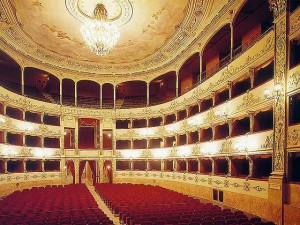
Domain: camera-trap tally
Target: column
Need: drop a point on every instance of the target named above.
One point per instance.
(115, 90)
(148, 94)
(22, 81)
(230, 88)
(177, 83)
(5, 166)
(4, 109)
(24, 166)
(75, 86)
(277, 186)
(212, 166)
(229, 166)
(251, 117)
(231, 40)
(76, 166)
(100, 97)
(199, 165)
(147, 165)
(251, 75)
(5, 137)
(131, 165)
(162, 165)
(100, 168)
(43, 165)
(60, 92)
(63, 170)
(42, 117)
(76, 136)
(250, 166)
(213, 131)
(174, 165)
(200, 70)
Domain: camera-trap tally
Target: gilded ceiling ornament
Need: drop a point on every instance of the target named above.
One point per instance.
(61, 35)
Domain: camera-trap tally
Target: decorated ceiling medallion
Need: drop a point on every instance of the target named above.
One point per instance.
(119, 11)
(100, 30)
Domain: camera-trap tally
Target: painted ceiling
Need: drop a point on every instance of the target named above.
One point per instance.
(45, 31)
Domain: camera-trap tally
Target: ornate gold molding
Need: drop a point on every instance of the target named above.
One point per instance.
(280, 77)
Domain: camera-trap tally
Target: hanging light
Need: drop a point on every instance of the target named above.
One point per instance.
(100, 35)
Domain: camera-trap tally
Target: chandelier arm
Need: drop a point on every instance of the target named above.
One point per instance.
(108, 20)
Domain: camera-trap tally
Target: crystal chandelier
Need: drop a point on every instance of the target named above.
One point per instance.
(99, 34)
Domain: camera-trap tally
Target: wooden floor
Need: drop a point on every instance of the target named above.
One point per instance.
(102, 205)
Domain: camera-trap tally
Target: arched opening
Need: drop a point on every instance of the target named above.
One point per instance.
(88, 94)
(239, 166)
(41, 85)
(131, 94)
(107, 96)
(240, 86)
(193, 166)
(88, 133)
(123, 165)
(163, 88)
(154, 165)
(205, 166)
(240, 126)
(221, 166)
(68, 92)
(253, 20)
(10, 73)
(216, 53)
(189, 74)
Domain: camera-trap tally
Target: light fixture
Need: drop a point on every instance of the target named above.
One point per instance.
(99, 33)
(273, 94)
(221, 114)
(184, 151)
(161, 153)
(2, 120)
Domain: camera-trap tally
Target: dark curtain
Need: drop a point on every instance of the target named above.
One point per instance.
(86, 137)
(81, 169)
(70, 165)
(93, 169)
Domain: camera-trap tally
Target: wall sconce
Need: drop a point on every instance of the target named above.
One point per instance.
(184, 151)
(2, 120)
(273, 94)
(146, 132)
(161, 153)
(130, 154)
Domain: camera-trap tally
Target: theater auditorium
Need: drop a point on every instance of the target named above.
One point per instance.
(150, 112)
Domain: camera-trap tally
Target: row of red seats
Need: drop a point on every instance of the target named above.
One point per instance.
(145, 205)
(69, 204)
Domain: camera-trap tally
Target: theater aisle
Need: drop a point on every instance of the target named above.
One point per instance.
(102, 205)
